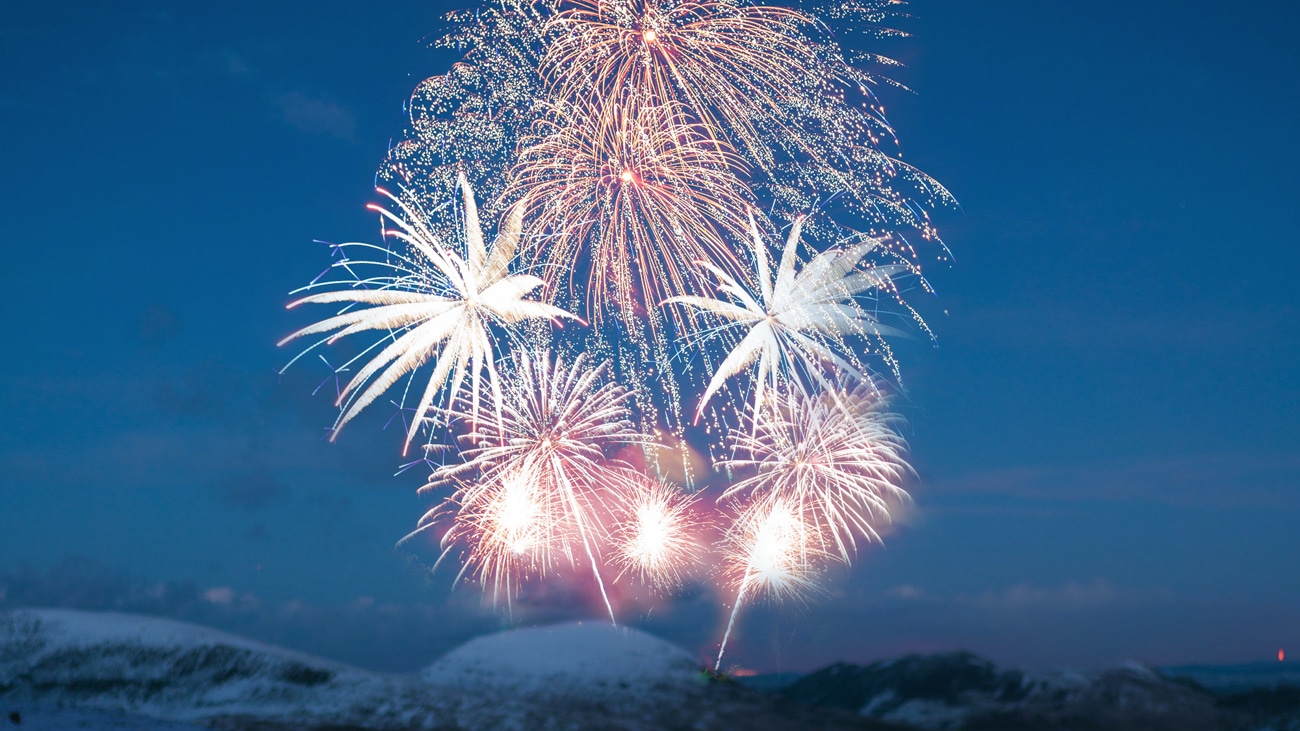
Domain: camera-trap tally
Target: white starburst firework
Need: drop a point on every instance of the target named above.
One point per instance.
(797, 326)
(437, 305)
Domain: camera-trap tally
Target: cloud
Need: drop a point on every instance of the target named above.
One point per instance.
(1216, 480)
(1072, 595)
(906, 592)
(219, 595)
(315, 115)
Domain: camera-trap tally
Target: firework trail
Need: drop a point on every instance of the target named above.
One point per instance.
(823, 471)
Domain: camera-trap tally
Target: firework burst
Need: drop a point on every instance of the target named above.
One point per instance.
(442, 302)
(823, 470)
(725, 62)
(638, 155)
(654, 533)
(559, 427)
(630, 196)
(835, 457)
(773, 549)
(770, 81)
(798, 324)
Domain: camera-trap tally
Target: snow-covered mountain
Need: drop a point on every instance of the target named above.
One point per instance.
(963, 691)
(67, 669)
(159, 672)
(171, 670)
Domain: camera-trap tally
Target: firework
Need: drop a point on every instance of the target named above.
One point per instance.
(638, 155)
(504, 524)
(769, 81)
(630, 196)
(470, 119)
(727, 63)
(835, 456)
(442, 302)
(559, 425)
(797, 325)
(653, 533)
(772, 548)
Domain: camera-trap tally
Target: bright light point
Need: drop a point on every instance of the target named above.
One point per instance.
(516, 514)
(1280, 655)
(625, 176)
(653, 536)
(650, 36)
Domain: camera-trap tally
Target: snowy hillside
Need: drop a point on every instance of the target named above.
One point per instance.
(138, 673)
(70, 670)
(171, 670)
(569, 656)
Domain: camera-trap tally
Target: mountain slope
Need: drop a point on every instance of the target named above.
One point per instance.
(177, 671)
(588, 676)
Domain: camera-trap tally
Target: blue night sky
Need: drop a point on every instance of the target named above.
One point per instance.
(1107, 432)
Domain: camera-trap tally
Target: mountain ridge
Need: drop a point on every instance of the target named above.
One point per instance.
(62, 667)
(576, 676)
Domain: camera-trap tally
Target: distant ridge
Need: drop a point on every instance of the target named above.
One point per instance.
(963, 691)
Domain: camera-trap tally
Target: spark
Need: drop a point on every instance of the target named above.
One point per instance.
(653, 532)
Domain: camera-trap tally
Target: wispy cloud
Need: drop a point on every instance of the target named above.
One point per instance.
(1194, 479)
(315, 115)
